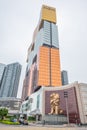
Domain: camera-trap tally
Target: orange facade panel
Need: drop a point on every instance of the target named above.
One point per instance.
(43, 73)
(49, 73)
(55, 68)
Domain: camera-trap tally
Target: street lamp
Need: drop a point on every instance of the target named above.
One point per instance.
(66, 97)
(76, 119)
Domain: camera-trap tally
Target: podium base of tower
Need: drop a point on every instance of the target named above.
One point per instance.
(54, 119)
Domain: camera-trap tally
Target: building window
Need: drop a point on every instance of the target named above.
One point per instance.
(38, 101)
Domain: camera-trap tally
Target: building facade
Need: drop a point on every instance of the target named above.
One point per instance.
(12, 104)
(2, 69)
(39, 102)
(64, 75)
(10, 81)
(44, 78)
(43, 60)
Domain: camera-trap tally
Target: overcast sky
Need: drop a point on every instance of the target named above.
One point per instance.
(18, 19)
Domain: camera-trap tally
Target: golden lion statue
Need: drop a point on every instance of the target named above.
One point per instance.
(55, 104)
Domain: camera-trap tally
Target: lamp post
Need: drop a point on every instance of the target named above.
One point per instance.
(76, 119)
(37, 114)
(66, 97)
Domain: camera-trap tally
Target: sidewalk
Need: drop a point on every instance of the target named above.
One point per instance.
(40, 127)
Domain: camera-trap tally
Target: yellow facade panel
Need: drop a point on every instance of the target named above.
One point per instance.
(48, 13)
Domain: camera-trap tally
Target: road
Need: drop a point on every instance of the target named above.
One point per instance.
(39, 127)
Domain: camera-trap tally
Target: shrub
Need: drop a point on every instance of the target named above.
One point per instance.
(3, 112)
(31, 118)
(9, 122)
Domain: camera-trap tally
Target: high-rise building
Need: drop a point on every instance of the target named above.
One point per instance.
(10, 81)
(43, 60)
(64, 75)
(2, 68)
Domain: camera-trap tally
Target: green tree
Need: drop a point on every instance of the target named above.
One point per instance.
(3, 112)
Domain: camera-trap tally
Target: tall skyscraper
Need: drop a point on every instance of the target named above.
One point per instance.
(64, 75)
(10, 81)
(2, 68)
(43, 60)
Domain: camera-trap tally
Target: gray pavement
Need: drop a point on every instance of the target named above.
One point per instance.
(40, 127)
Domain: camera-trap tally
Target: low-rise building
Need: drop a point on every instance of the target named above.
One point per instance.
(39, 102)
(12, 104)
